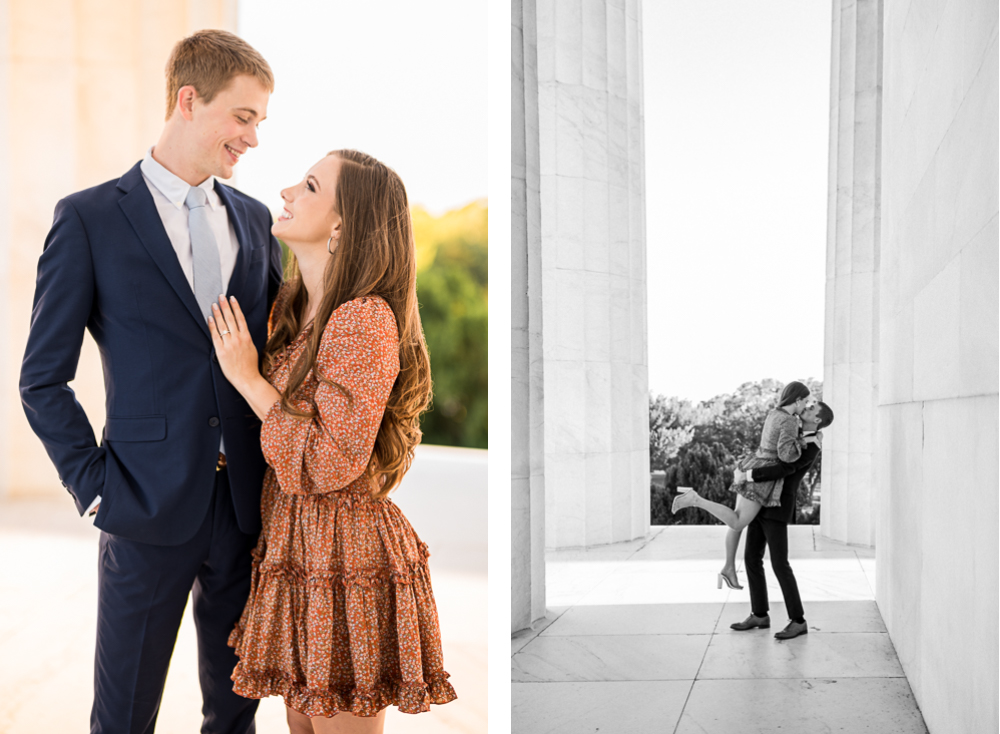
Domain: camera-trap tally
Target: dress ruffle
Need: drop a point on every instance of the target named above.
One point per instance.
(410, 699)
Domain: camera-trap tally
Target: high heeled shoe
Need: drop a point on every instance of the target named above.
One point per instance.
(729, 582)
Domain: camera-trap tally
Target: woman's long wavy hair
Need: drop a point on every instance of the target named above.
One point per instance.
(376, 256)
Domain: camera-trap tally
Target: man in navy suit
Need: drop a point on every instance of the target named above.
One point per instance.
(175, 481)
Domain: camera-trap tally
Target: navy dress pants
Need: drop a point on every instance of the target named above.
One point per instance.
(142, 592)
(772, 534)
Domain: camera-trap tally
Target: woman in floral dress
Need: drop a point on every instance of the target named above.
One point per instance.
(341, 620)
(780, 440)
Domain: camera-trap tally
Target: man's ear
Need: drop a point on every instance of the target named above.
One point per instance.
(186, 96)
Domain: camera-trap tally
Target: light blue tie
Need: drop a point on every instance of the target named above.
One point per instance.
(204, 248)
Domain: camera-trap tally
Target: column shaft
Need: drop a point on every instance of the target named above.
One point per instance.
(593, 266)
(852, 293)
(527, 406)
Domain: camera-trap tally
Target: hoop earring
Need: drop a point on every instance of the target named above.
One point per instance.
(328, 245)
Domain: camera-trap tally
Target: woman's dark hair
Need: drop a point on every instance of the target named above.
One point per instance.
(793, 391)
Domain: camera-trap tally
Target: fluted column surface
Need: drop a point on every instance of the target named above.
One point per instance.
(593, 264)
(850, 384)
(527, 397)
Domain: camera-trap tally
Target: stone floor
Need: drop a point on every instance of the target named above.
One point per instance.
(48, 605)
(637, 639)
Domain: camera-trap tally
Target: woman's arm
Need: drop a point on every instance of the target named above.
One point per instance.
(237, 356)
(789, 443)
(359, 357)
(783, 469)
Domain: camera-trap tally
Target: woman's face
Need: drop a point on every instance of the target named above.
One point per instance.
(309, 216)
(799, 405)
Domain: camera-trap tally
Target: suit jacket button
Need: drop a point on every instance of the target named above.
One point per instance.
(213, 421)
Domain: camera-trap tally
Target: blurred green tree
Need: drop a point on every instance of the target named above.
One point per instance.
(698, 444)
(452, 286)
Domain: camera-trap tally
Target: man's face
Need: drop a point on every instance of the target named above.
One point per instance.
(811, 414)
(223, 129)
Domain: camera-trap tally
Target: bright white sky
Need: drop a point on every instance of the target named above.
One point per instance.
(737, 120)
(403, 81)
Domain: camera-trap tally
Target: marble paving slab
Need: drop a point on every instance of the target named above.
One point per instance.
(618, 706)
(826, 579)
(519, 639)
(821, 616)
(566, 582)
(658, 582)
(609, 658)
(684, 542)
(801, 706)
(756, 654)
(636, 619)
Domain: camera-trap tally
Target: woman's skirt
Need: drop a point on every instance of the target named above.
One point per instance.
(766, 494)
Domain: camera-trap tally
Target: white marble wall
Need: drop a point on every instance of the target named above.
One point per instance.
(936, 448)
(851, 351)
(593, 265)
(527, 398)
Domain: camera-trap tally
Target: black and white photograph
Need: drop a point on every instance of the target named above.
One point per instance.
(754, 369)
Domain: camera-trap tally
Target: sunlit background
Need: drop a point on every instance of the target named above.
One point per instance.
(737, 122)
(404, 82)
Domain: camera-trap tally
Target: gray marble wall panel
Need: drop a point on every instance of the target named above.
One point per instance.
(936, 440)
(593, 271)
(852, 292)
(527, 367)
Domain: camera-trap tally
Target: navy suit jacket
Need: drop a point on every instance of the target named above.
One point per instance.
(792, 473)
(109, 267)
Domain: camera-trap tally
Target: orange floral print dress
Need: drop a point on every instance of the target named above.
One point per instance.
(341, 616)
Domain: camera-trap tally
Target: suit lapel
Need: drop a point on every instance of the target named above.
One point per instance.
(237, 215)
(137, 205)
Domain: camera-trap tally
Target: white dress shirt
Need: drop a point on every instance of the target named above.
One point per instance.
(169, 193)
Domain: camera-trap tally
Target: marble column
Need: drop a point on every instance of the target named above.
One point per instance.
(590, 100)
(527, 385)
(84, 95)
(937, 457)
(851, 355)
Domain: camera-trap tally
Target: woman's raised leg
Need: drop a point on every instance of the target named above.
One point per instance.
(746, 510)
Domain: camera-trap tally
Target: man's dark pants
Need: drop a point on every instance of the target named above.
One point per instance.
(143, 590)
(761, 533)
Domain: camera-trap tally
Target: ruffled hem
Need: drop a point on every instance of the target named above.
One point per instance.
(295, 573)
(408, 698)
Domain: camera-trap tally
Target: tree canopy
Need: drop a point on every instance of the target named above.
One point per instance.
(698, 444)
(452, 287)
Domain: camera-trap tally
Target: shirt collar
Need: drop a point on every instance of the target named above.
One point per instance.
(172, 186)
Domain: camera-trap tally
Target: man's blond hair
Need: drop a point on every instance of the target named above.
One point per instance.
(208, 60)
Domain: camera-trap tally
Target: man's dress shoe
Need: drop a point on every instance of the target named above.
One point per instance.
(751, 622)
(794, 629)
